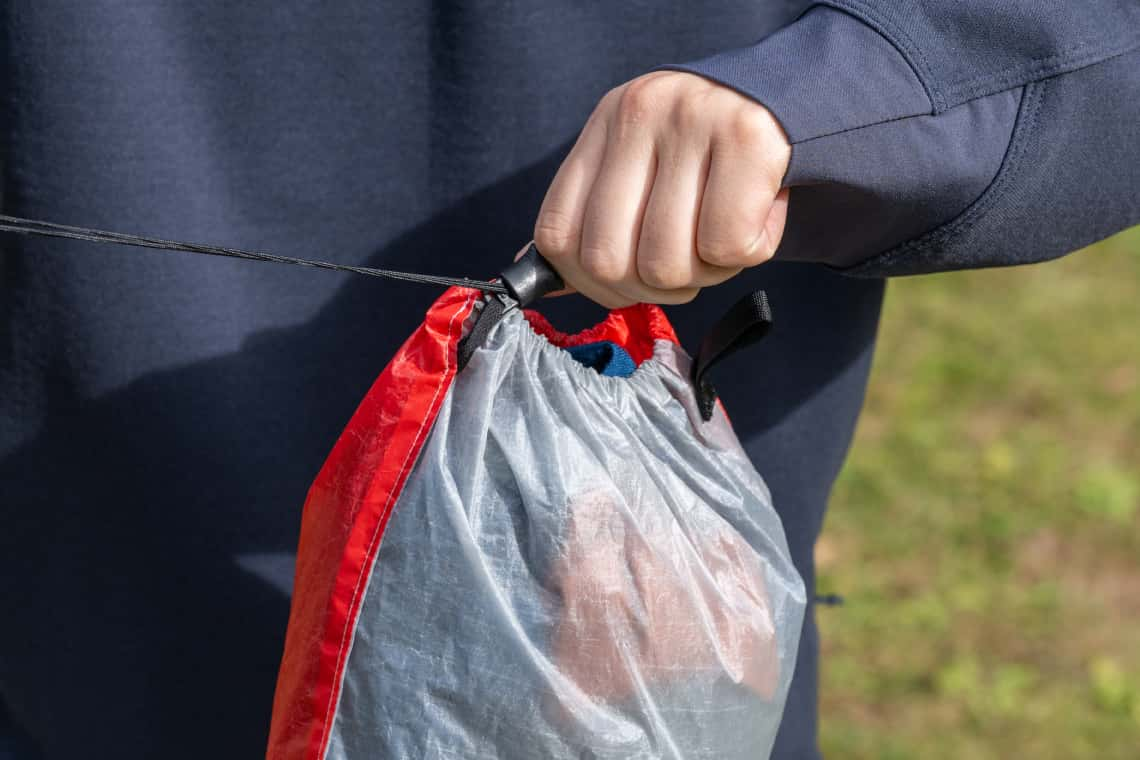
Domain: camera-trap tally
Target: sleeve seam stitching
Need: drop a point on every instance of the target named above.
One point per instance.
(1041, 67)
(942, 97)
(897, 37)
(1011, 168)
(894, 119)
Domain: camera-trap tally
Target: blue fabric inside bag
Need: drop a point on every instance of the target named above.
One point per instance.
(605, 357)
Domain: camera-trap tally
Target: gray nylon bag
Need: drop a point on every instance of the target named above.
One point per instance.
(574, 566)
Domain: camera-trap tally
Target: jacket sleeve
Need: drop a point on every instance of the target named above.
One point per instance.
(930, 135)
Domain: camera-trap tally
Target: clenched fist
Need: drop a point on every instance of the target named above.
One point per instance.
(672, 186)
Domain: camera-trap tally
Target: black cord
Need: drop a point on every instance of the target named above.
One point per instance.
(51, 229)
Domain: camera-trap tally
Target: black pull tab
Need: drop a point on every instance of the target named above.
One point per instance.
(744, 324)
(530, 278)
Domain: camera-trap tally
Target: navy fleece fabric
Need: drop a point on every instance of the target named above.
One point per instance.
(161, 415)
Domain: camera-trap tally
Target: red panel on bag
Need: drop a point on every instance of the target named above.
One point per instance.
(345, 513)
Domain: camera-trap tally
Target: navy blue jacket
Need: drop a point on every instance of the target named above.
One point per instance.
(161, 415)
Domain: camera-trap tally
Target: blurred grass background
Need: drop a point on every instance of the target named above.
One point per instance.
(986, 529)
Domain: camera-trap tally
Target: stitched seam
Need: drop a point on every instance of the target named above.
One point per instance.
(905, 118)
(848, 130)
(1036, 64)
(901, 39)
(350, 624)
(1011, 168)
(1042, 68)
(941, 96)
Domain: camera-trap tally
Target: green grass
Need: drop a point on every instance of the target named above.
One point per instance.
(986, 529)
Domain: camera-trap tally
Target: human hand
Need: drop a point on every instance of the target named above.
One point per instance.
(634, 618)
(672, 186)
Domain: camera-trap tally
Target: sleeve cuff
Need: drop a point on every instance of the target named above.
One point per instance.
(826, 73)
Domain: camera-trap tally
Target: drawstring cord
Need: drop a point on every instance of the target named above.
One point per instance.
(34, 227)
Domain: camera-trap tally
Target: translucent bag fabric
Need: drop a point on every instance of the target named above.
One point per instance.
(531, 558)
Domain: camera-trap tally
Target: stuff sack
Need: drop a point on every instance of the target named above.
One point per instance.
(547, 554)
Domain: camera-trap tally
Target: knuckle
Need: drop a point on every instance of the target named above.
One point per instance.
(690, 111)
(721, 251)
(608, 106)
(638, 101)
(609, 101)
(763, 250)
(661, 274)
(748, 125)
(554, 233)
(600, 262)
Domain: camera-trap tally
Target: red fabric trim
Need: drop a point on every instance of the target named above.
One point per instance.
(634, 328)
(345, 514)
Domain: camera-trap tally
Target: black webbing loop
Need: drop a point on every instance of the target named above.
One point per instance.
(744, 324)
(526, 280)
(50, 229)
(494, 309)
